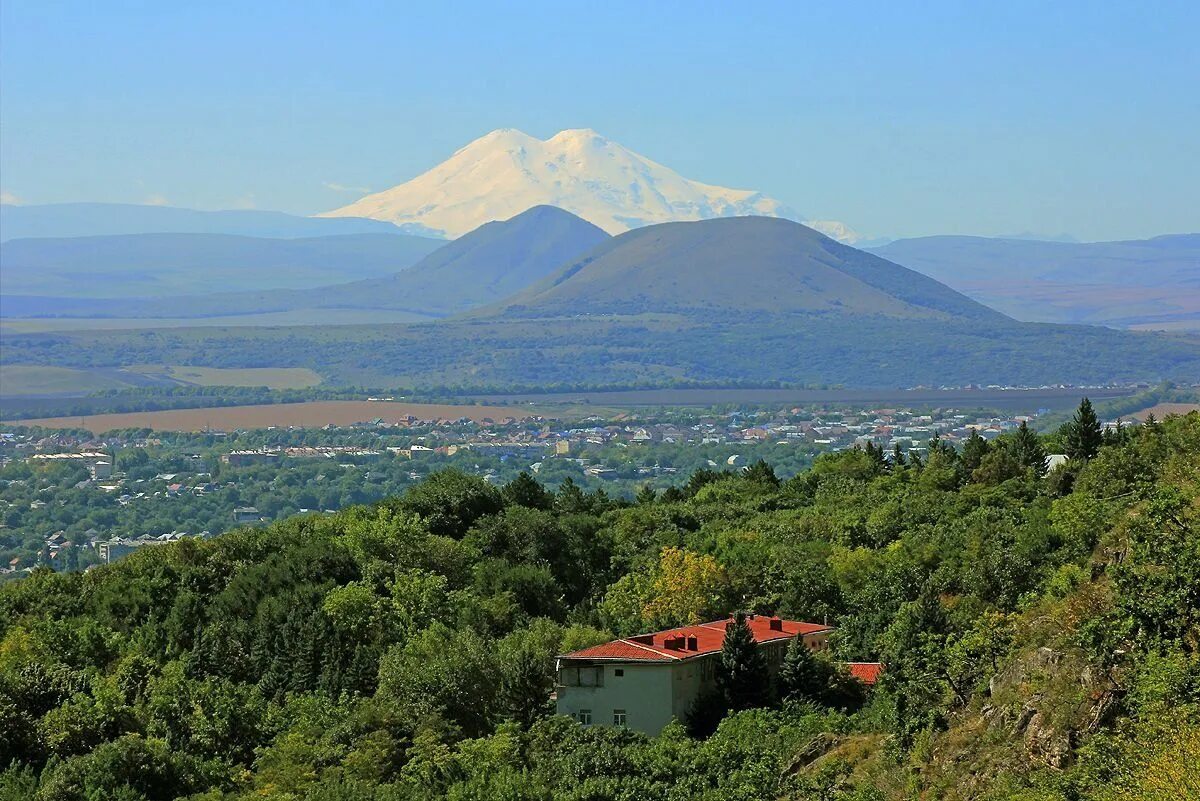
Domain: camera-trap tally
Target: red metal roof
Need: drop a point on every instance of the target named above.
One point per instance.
(687, 642)
(866, 672)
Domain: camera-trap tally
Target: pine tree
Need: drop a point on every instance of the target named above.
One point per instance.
(762, 473)
(1027, 448)
(898, 459)
(975, 448)
(524, 490)
(1083, 436)
(801, 676)
(570, 499)
(645, 495)
(742, 672)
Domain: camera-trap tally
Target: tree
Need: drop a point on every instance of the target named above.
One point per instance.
(1028, 450)
(762, 473)
(645, 495)
(686, 588)
(801, 677)
(1082, 437)
(449, 501)
(524, 490)
(742, 672)
(570, 498)
(974, 449)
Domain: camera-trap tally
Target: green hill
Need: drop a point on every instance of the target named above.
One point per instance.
(734, 266)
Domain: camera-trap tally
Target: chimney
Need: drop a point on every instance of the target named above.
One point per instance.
(776, 624)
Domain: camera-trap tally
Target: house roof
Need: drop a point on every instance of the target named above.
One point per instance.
(688, 642)
(866, 672)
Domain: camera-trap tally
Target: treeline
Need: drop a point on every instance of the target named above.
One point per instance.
(1040, 636)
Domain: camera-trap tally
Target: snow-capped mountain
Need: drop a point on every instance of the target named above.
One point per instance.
(506, 172)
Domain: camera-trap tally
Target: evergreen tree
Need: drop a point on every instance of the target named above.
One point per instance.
(645, 495)
(1027, 448)
(898, 459)
(742, 672)
(975, 448)
(801, 677)
(570, 498)
(1083, 437)
(524, 490)
(762, 473)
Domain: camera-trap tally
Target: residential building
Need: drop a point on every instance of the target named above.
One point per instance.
(645, 682)
(246, 514)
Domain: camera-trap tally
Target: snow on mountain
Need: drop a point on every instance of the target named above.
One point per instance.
(506, 172)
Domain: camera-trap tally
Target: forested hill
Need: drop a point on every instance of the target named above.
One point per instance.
(1040, 636)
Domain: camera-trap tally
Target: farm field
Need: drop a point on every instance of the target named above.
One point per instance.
(312, 414)
(1161, 410)
(272, 377)
(24, 379)
(40, 325)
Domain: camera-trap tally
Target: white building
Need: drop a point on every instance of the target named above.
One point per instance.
(646, 681)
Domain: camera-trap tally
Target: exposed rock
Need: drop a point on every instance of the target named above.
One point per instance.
(1046, 744)
(815, 748)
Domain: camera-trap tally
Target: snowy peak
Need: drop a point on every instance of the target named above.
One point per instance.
(507, 171)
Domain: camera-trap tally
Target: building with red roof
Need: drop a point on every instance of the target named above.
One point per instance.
(866, 672)
(646, 681)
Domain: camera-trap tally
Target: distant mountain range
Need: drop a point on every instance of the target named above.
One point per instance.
(548, 262)
(156, 265)
(487, 264)
(58, 220)
(1114, 283)
(506, 172)
(548, 299)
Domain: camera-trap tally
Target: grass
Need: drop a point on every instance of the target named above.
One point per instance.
(21, 379)
(271, 377)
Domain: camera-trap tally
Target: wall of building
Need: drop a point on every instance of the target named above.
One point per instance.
(652, 694)
(643, 691)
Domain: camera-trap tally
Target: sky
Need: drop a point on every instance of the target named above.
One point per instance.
(899, 119)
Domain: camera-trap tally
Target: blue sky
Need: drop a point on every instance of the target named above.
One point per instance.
(898, 119)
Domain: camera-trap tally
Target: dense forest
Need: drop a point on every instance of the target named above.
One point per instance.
(648, 349)
(1040, 635)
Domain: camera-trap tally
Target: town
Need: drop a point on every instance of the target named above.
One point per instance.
(70, 499)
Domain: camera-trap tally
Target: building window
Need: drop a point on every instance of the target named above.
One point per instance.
(619, 672)
(587, 676)
(619, 718)
(585, 717)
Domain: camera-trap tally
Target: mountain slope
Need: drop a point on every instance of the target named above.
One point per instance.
(507, 171)
(149, 265)
(1097, 282)
(742, 265)
(489, 263)
(493, 261)
(104, 219)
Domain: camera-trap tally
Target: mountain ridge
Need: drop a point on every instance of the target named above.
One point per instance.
(144, 265)
(1113, 283)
